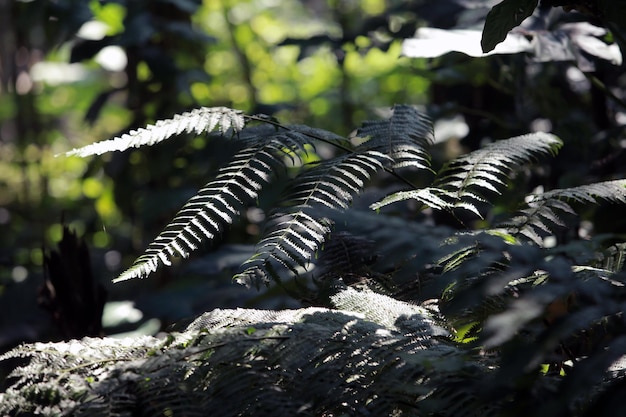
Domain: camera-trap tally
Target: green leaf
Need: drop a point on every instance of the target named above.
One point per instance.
(502, 18)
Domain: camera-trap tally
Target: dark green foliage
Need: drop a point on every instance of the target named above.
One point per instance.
(70, 293)
(461, 183)
(308, 362)
(509, 14)
(508, 310)
(536, 320)
(502, 18)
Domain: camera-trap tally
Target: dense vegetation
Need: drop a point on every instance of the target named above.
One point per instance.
(493, 201)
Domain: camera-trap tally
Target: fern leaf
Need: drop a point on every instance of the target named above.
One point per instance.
(485, 168)
(313, 362)
(609, 190)
(460, 183)
(403, 137)
(541, 218)
(294, 233)
(291, 241)
(204, 119)
(206, 214)
(431, 197)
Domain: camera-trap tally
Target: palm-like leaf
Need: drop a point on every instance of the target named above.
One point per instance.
(403, 137)
(206, 214)
(461, 183)
(204, 119)
(295, 232)
(544, 211)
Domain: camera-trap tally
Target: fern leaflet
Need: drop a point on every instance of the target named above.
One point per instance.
(543, 213)
(460, 183)
(295, 232)
(204, 119)
(205, 215)
(403, 137)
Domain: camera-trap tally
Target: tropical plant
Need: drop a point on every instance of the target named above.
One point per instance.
(295, 231)
(506, 318)
(454, 296)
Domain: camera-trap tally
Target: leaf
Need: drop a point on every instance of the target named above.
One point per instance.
(433, 42)
(540, 216)
(460, 182)
(499, 328)
(502, 18)
(431, 197)
(403, 137)
(295, 232)
(207, 213)
(204, 119)
(310, 361)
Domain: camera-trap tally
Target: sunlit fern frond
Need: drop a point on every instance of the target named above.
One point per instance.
(289, 243)
(207, 213)
(486, 169)
(461, 183)
(204, 119)
(219, 203)
(608, 190)
(295, 232)
(433, 197)
(403, 137)
(384, 358)
(543, 213)
(333, 183)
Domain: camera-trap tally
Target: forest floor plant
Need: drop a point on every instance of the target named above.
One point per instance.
(405, 316)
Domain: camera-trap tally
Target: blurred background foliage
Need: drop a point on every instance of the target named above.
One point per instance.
(74, 72)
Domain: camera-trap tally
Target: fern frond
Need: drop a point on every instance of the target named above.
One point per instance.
(487, 168)
(206, 214)
(460, 183)
(436, 198)
(311, 362)
(218, 203)
(542, 216)
(403, 137)
(608, 190)
(204, 119)
(290, 241)
(295, 232)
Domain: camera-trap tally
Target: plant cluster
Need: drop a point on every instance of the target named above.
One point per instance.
(456, 275)
(542, 317)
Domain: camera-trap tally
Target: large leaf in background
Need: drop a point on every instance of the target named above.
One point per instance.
(433, 42)
(585, 40)
(504, 17)
(568, 42)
